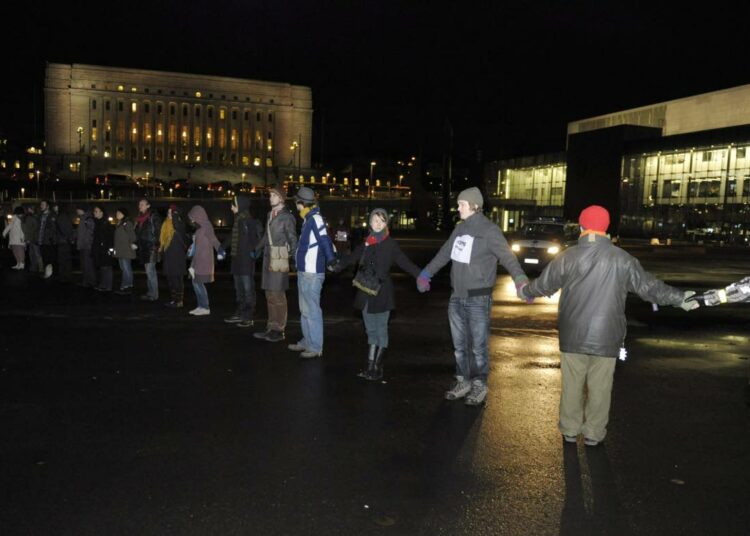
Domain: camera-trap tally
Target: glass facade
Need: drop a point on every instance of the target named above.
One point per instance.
(543, 185)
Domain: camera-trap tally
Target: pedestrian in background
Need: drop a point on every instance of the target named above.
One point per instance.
(173, 244)
(314, 255)
(595, 277)
(278, 243)
(65, 238)
(125, 248)
(246, 232)
(16, 242)
(375, 294)
(102, 249)
(47, 238)
(202, 264)
(84, 241)
(148, 229)
(31, 236)
(474, 248)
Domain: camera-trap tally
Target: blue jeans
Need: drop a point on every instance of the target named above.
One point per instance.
(244, 291)
(201, 294)
(311, 315)
(376, 325)
(153, 280)
(127, 273)
(470, 329)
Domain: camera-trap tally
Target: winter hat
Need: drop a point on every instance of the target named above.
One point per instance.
(123, 210)
(278, 190)
(472, 196)
(380, 212)
(173, 207)
(594, 218)
(305, 195)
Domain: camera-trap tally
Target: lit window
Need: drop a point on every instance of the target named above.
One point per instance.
(93, 134)
(159, 133)
(210, 137)
(184, 136)
(245, 160)
(31, 165)
(147, 131)
(198, 94)
(197, 136)
(234, 139)
(221, 113)
(17, 164)
(3, 165)
(107, 152)
(172, 134)
(133, 107)
(269, 162)
(256, 161)
(120, 88)
(133, 89)
(222, 138)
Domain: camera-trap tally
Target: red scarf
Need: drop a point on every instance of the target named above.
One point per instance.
(141, 218)
(377, 238)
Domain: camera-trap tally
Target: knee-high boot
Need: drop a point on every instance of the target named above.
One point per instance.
(376, 372)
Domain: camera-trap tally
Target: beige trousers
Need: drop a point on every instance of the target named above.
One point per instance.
(276, 301)
(585, 411)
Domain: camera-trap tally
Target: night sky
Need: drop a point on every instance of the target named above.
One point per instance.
(388, 76)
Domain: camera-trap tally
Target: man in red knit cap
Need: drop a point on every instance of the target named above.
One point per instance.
(595, 277)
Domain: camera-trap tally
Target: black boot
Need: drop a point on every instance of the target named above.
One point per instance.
(376, 372)
(370, 363)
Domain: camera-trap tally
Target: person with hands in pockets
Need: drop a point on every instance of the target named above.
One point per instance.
(202, 262)
(475, 247)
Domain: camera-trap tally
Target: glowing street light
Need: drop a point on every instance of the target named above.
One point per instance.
(372, 167)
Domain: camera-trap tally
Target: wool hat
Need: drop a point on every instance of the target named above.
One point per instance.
(472, 196)
(173, 207)
(124, 211)
(594, 218)
(383, 213)
(305, 195)
(279, 190)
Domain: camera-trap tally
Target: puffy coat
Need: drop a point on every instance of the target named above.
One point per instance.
(124, 238)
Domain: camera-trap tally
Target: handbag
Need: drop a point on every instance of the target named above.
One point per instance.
(278, 258)
(366, 279)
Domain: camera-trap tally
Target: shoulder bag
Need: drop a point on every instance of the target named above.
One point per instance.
(366, 279)
(278, 260)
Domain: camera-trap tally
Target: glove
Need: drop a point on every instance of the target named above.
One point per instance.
(133, 246)
(332, 265)
(713, 297)
(191, 271)
(191, 250)
(423, 281)
(253, 254)
(687, 304)
(521, 282)
(221, 254)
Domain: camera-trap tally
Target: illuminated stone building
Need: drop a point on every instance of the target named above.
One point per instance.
(173, 125)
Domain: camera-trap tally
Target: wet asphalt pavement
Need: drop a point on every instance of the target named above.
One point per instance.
(124, 417)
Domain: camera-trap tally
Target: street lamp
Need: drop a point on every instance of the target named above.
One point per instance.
(243, 177)
(372, 166)
(23, 193)
(295, 147)
(37, 183)
(80, 154)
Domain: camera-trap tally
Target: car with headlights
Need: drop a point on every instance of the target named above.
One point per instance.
(541, 240)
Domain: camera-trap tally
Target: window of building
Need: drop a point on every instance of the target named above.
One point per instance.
(134, 132)
(245, 160)
(147, 131)
(222, 138)
(121, 132)
(106, 105)
(197, 111)
(172, 134)
(184, 137)
(93, 133)
(146, 108)
(741, 152)
(159, 155)
(120, 88)
(234, 115)
(172, 156)
(133, 107)
(257, 116)
(246, 140)
(107, 151)
(270, 117)
(247, 115)
(732, 187)
(209, 156)
(172, 109)
(706, 156)
(233, 139)
(120, 153)
(159, 133)
(146, 153)
(671, 188)
(184, 110)
(222, 113)
(210, 112)
(93, 86)
(197, 136)
(159, 109)
(93, 104)
(209, 137)
(120, 106)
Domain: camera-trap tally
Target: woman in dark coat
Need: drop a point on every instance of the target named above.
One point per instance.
(377, 254)
(174, 244)
(102, 249)
(202, 266)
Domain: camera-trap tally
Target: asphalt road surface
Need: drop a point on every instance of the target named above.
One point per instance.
(124, 417)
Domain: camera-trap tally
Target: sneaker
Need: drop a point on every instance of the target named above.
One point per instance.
(296, 347)
(245, 324)
(590, 442)
(274, 336)
(309, 354)
(570, 438)
(48, 271)
(459, 389)
(234, 319)
(478, 393)
(200, 311)
(263, 335)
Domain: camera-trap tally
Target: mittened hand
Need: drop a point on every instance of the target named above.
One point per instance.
(521, 282)
(133, 246)
(191, 271)
(221, 254)
(713, 297)
(423, 281)
(688, 304)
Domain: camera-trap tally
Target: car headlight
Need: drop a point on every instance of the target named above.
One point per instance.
(553, 250)
(515, 247)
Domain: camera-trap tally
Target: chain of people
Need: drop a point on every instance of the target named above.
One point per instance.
(594, 277)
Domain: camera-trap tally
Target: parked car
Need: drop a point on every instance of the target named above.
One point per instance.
(540, 240)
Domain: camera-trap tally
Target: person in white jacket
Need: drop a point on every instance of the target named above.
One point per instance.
(16, 240)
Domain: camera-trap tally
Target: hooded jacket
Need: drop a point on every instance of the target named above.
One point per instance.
(205, 242)
(475, 247)
(595, 277)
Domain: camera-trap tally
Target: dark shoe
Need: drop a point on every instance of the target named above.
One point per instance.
(173, 304)
(124, 291)
(102, 289)
(377, 367)
(263, 335)
(234, 319)
(245, 324)
(146, 297)
(370, 362)
(275, 336)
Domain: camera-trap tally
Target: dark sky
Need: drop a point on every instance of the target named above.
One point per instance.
(386, 76)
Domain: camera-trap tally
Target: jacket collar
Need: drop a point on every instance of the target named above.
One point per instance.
(592, 239)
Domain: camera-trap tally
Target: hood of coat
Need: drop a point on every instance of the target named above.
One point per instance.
(199, 216)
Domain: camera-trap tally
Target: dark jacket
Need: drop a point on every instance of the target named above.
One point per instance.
(124, 237)
(47, 229)
(249, 233)
(104, 240)
(475, 247)
(283, 232)
(64, 233)
(85, 231)
(148, 237)
(381, 257)
(30, 226)
(595, 277)
(174, 256)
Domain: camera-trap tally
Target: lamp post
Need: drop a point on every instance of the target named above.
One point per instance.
(80, 154)
(372, 167)
(295, 147)
(38, 186)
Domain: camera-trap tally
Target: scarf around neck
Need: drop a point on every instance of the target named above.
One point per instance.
(376, 238)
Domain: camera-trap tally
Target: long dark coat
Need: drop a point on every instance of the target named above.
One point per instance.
(249, 231)
(381, 256)
(104, 240)
(173, 258)
(283, 230)
(205, 243)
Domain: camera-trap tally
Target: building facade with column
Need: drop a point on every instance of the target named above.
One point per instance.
(169, 125)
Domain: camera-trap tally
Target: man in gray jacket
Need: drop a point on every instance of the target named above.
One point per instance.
(595, 277)
(475, 247)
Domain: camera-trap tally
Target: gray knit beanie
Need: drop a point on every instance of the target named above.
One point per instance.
(472, 196)
(383, 213)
